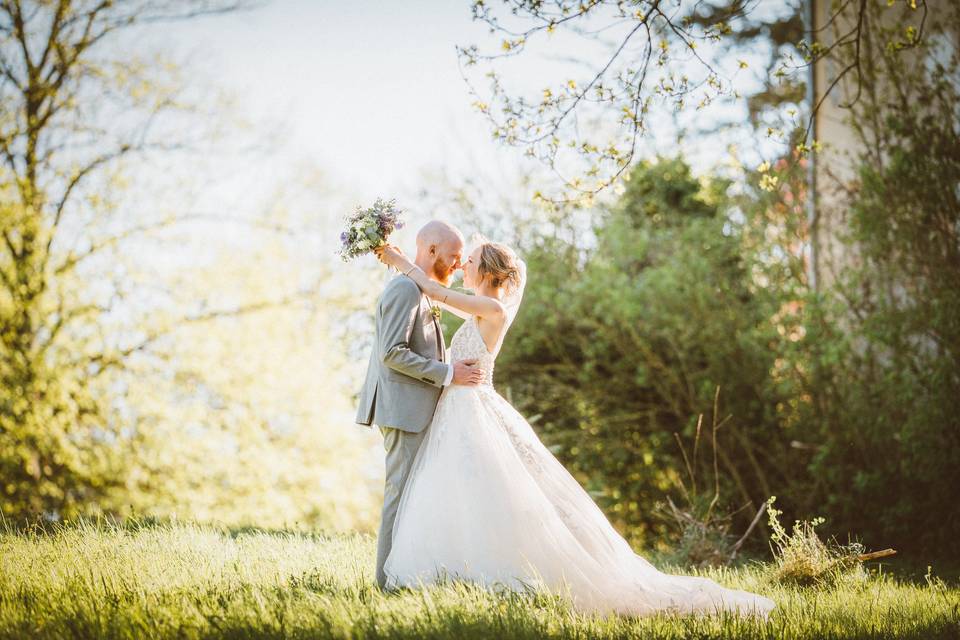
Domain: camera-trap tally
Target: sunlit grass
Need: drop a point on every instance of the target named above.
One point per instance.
(179, 580)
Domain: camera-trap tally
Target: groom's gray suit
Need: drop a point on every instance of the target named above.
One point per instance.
(406, 373)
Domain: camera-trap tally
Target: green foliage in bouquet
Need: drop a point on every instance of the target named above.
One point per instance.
(369, 228)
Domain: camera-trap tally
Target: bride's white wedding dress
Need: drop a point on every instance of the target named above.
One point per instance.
(487, 502)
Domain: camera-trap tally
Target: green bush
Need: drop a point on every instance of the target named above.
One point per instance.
(882, 353)
(621, 345)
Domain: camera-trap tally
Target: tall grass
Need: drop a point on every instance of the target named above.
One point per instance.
(102, 580)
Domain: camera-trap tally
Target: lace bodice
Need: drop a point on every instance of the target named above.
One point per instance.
(467, 344)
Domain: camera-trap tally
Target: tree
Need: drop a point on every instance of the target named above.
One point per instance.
(74, 111)
(653, 53)
(251, 420)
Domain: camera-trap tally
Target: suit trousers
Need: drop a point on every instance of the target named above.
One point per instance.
(401, 448)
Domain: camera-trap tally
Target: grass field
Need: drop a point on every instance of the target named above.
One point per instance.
(186, 581)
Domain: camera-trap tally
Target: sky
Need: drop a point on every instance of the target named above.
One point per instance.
(369, 92)
(346, 102)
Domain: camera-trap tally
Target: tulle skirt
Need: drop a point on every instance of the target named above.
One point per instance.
(486, 502)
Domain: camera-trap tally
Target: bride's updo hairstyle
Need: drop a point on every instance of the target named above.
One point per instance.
(499, 263)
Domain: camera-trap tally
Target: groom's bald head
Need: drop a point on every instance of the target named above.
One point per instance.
(439, 250)
(437, 232)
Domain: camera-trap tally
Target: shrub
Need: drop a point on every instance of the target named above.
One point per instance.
(802, 558)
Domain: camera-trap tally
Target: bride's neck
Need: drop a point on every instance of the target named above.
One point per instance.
(491, 292)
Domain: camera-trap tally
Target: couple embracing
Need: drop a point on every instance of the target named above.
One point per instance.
(471, 493)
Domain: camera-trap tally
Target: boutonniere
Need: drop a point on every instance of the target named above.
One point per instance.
(435, 310)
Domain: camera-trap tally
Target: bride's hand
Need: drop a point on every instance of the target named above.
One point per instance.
(390, 255)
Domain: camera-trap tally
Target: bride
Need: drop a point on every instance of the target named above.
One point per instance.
(487, 502)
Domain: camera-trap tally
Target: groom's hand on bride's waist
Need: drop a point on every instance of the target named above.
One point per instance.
(467, 372)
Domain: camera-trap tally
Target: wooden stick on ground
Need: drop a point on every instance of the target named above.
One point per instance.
(743, 538)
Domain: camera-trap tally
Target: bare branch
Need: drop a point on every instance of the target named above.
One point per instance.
(78, 178)
(547, 128)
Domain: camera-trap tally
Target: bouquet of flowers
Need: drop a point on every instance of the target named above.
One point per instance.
(369, 228)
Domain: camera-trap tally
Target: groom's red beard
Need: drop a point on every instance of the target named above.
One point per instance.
(443, 273)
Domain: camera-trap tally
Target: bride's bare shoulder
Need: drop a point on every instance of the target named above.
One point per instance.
(496, 317)
(497, 309)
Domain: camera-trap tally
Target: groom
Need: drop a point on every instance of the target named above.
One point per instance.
(408, 368)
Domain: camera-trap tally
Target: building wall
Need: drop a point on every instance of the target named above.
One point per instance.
(835, 167)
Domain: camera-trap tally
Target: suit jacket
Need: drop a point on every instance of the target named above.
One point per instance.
(407, 365)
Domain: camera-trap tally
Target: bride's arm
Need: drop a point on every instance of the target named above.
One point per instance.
(482, 306)
(454, 311)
